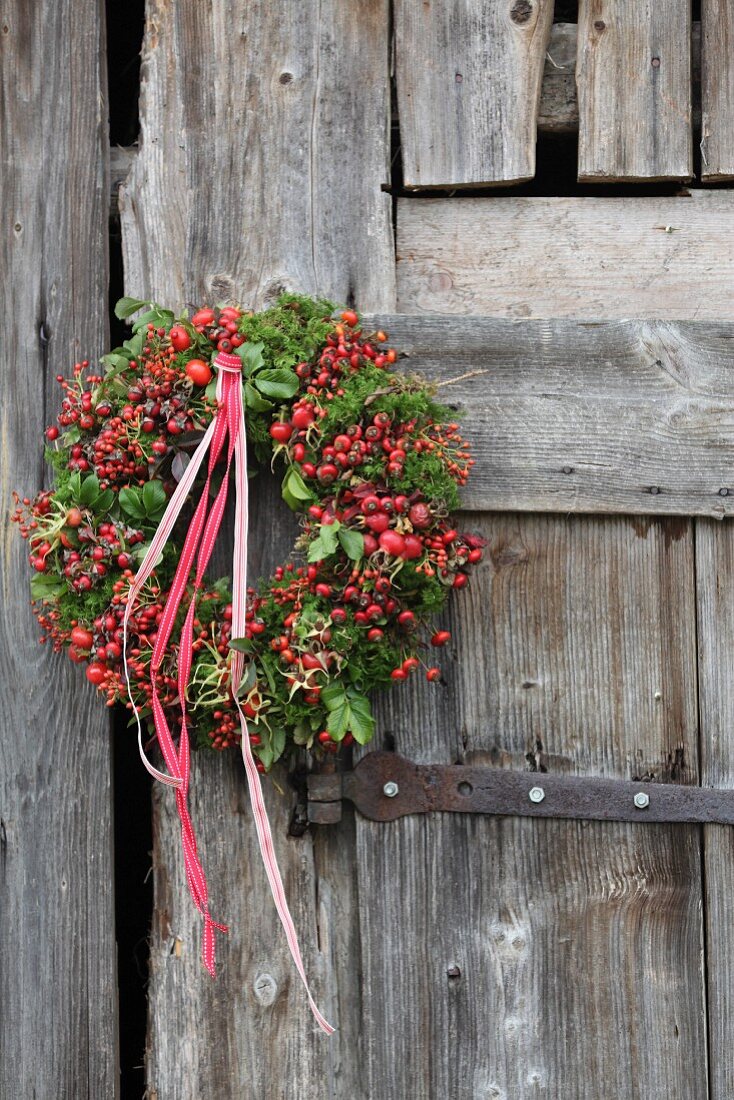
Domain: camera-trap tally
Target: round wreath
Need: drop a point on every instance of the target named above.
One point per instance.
(372, 463)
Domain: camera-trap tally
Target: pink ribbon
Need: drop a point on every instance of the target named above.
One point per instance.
(227, 425)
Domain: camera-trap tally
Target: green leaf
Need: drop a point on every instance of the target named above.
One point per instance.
(89, 490)
(211, 390)
(154, 497)
(333, 694)
(45, 586)
(242, 645)
(254, 401)
(316, 551)
(251, 356)
(294, 490)
(131, 503)
(127, 306)
(277, 742)
(337, 722)
(352, 543)
(361, 721)
(115, 362)
(330, 537)
(75, 485)
(134, 345)
(248, 680)
(72, 435)
(104, 501)
(280, 384)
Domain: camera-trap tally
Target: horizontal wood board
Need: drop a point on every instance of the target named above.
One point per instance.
(630, 417)
(590, 258)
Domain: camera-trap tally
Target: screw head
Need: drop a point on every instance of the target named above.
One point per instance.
(390, 789)
(642, 800)
(536, 794)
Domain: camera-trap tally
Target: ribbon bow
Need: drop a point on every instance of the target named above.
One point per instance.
(227, 426)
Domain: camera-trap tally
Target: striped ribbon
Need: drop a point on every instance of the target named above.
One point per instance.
(227, 426)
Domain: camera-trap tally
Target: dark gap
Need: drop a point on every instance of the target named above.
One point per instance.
(125, 23)
(555, 176)
(566, 11)
(133, 837)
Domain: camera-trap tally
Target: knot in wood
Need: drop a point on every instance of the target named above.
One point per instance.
(521, 11)
(265, 988)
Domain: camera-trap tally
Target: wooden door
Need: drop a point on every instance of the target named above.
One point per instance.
(356, 151)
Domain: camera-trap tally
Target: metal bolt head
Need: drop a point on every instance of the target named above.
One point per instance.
(390, 789)
(642, 800)
(536, 794)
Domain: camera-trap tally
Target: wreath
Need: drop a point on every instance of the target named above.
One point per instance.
(371, 462)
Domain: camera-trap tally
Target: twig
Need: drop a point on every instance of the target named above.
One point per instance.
(461, 377)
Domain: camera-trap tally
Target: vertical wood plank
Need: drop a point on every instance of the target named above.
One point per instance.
(714, 579)
(526, 958)
(717, 90)
(264, 147)
(58, 1027)
(633, 72)
(468, 79)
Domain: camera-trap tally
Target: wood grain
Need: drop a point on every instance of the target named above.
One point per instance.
(714, 577)
(264, 145)
(530, 959)
(58, 1026)
(586, 258)
(468, 81)
(559, 109)
(633, 73)
(263, 151)
(564, 416)
(717, 90)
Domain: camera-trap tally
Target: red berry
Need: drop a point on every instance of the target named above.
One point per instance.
(327, 473)
(324, 737)
(52, 432)
(460, 581)
(393, 543)
(179, 338)
(281, 433)
(413, 547)
(441, 637)
(420, 515)
(349, 317)
(475, 556)
(96, 672)
(399, 674)
(406, 618)
(199, 372)
(433, 674)
(302, 417)
(74, 518)
(202, 318)
(375, 634)
(378, 523)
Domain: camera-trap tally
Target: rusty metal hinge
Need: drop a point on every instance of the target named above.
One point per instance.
(385, 786)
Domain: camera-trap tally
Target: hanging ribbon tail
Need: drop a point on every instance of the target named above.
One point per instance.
(198, 545)
(239, 605)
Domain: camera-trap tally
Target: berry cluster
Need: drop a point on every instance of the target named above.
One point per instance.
(370, 462)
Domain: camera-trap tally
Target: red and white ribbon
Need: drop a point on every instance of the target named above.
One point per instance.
(227, 426)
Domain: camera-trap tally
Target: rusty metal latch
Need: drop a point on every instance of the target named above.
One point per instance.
(385, 786)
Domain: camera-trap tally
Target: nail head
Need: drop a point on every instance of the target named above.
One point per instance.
(642, 800)
(390, 789)
(536, 794)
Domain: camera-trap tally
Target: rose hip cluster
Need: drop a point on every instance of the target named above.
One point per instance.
(376, 470)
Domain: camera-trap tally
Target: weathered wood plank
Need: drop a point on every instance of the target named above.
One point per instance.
(714, 578)
(717, 90)
(468, 79)
(559, 110)
(264, 144)
(527, 958)
(58, 1026)
(565, 416)
(555, 257)
(633, 73)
